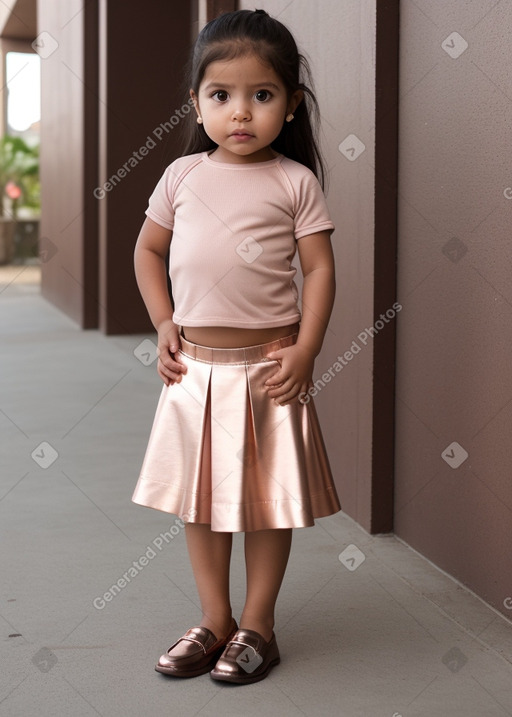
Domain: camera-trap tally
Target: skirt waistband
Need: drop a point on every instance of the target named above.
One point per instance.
(242, 355)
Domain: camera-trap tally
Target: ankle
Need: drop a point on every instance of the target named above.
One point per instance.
(220, 625)
(263, 626)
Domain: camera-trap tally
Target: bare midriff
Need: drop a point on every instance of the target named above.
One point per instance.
(227, 337)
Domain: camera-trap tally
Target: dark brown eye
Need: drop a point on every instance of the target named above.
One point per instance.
(220, 95)
(263, 95)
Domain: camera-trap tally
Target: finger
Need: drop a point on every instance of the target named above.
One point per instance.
(168, 381)
(167, 347)
(292, 400)
(169, 372)
(173, 363)
(303, 396)
(282, 387)
(172, 367)
(162, 375)
(180, 362)
(275, 355)
(277, 378)
(286, 393)
(280, 390)
(290, 397)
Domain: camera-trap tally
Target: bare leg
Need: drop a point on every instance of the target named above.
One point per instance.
(210, 555)
(266, 557)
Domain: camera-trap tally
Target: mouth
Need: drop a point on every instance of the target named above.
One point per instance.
(241, 133)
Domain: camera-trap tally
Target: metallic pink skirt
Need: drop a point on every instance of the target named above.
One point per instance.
(222, 452)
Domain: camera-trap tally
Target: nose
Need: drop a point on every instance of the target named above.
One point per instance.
(241, 115)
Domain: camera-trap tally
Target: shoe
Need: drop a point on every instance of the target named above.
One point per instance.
(247, 658)
(203, 652)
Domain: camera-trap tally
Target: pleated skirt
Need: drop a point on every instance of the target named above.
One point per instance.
(222, 452)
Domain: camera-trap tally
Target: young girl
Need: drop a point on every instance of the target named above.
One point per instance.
(236, 444)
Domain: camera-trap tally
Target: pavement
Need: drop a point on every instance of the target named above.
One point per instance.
(366, 626)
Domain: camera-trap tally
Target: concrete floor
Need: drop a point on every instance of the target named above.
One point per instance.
(393, 637)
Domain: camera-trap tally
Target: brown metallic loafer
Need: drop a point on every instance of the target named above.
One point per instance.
(202, 653)
(247, 658)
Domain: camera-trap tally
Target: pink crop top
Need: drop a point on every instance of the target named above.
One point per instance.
(235, 228)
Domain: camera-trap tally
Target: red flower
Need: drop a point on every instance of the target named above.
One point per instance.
(12, 190)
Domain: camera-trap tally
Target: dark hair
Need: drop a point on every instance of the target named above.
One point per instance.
(239, 33)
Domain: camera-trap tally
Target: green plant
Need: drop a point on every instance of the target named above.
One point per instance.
(19, 175)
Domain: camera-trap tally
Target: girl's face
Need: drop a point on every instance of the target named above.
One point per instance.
(243, 105)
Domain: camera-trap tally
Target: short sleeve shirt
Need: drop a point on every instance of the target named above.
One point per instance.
(235, 229)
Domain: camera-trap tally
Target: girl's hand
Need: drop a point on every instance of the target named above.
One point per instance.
(169, 367)
(293, 377)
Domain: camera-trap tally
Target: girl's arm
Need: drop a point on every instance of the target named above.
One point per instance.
(149, 258)
(318, 291)
(319, 287)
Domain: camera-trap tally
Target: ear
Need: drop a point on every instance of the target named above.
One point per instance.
(195, 101)
(295, 101)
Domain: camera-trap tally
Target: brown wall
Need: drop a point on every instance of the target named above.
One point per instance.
(113, 79)
(142, 59)
(66, 130)
(454, 382)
